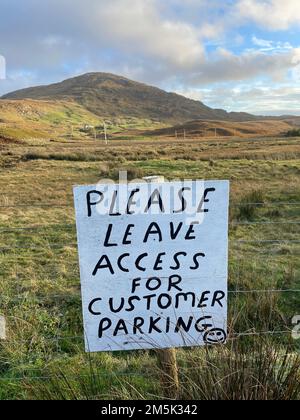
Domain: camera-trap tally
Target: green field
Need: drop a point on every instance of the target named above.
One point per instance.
(43, 355)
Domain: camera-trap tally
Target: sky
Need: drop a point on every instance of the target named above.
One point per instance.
(239, 55)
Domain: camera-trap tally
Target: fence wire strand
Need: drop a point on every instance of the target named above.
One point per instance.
(71, 227)
(234, 205)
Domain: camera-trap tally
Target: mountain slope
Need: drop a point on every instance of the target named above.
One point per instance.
(107, 95)
(32, 119)
(200, 128)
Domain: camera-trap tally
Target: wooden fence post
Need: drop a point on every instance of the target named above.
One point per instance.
(2, 328)
(167, 357)
(169, 373)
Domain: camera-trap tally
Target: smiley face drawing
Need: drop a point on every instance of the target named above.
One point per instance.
(215, 336)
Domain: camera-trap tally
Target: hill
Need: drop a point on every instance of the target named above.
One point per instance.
(31, 119)
(28, 119)
(200, 128)
(108, 95)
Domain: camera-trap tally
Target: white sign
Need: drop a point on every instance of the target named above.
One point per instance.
(153, 264)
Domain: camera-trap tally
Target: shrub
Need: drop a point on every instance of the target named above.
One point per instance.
(293, 133)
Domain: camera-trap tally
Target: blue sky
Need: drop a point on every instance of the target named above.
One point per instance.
(241, 55)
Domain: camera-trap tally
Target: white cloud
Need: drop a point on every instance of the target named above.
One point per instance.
(170, 43)
(270, 14)
(258, 99)
(132, 36)
(263, 43)
(138, 26)
(226, 66)
(268, 46)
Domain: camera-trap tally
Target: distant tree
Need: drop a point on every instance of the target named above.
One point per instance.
(293, 133)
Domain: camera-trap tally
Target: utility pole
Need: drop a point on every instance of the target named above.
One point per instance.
(184, 134)
(105, 133)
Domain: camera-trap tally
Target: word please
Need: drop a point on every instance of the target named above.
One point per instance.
(137, 203)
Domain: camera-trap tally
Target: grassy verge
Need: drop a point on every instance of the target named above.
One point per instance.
(40, 293)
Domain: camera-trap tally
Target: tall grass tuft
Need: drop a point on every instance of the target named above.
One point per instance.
(262, 372)
(256, 369)
(250, 204)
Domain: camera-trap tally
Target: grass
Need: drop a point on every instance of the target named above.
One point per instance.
(250, 204)
(264, 373)
(31, 120)
(40, 292)
(225, 373)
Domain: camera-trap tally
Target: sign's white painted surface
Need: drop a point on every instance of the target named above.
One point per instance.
(153, 264)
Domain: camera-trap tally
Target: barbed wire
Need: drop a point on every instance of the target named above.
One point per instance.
(236, 223)
(264, 291)
(259, 333)
(234, 205)
(75, 376)
(265, 241)
(77, 293)
(231, 336)
(16, 229)
(235, 253)
(73, 226)
(94, 374)
(35, 206)
(50, 246)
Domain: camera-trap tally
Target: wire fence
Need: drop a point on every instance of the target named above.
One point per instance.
(234, 205)
(24, 232)
(117, 374)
